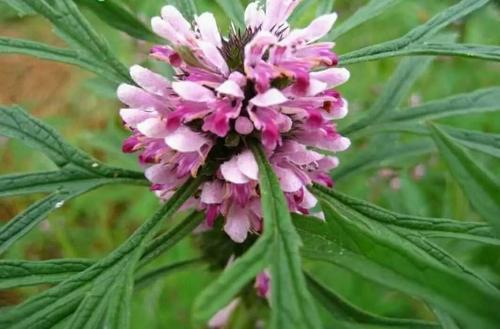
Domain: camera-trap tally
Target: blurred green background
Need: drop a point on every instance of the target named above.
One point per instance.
(84, 109)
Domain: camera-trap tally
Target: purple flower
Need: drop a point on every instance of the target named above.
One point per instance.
(268, 82)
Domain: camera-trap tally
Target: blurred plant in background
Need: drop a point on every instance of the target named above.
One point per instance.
(402, 267)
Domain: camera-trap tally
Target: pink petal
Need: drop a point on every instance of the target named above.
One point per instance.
(247, 165)
(132, 117)
(221, 318)
(164, 30)
(288, 180)
(309, 200)
(138, 98)
(185, 140)
(208, 29)
(237, 224)
(231, 88)
(171, 15)
(333, 76)
(214, 57)
(153, 128)
(269, 98)
(243, 126)
(278, 11)
(232, 173)
(212, 193)
(315, 31)
(150, 81)
(254, 15)
(192, 91)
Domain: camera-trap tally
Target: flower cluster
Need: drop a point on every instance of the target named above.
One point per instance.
(267, 82)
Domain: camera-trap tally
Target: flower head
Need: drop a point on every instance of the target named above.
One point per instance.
(267, 82)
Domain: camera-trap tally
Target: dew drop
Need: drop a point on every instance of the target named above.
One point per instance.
(95, 165)
(59, 204)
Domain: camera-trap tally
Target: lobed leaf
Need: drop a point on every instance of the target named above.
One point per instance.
(234, 10)
(112, 12)
(376, 252)
(105, 281)
(19, 273)
(343, 310)
(432, 227)
(480, 186)
(379, 155)
(371, 10)
(415, 36)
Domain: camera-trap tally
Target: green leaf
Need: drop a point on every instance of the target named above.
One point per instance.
(476, 140)
(480, 186)
(15, 273)
(225, 287)
(112, 12)
(398, 87)
(55, 271)
(415, 36)
(186, 7)
(291, 303)
(108, 280)
(16, 123)
(479, 101)
(68, 56)
(376, 252)
(68, 178)
(362, 15)
(234, 11)
(381, 155)
(342, 309)
(78, 32)
(472, 51)
(325, 7)
(431, 227)
(147, 278)
(31, 217)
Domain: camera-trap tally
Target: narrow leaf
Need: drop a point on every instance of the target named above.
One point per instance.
(344, 310)
(381, 155)
(480, 186)
(186, 7)
(112, 12)
(362, 15)
(15, 274)
(379, 254)
(435, 227)
(419, 34)
(234, 11)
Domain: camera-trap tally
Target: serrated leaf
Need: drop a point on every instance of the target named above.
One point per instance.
(376, 252)
(476, 140)
(234, 10)
(112, 12)
(479, 101)
(344, 310)
(43, 51)
(415, 36)
(480, 186)
(432, 227)
(381, 155)
(77, 31)
(363, 14)
(291, 304)
(37, 212)
(398, 87)
(100, 280)
(471, 51)
(18, 273)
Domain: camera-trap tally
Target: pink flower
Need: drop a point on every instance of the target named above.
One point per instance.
(268, 82)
